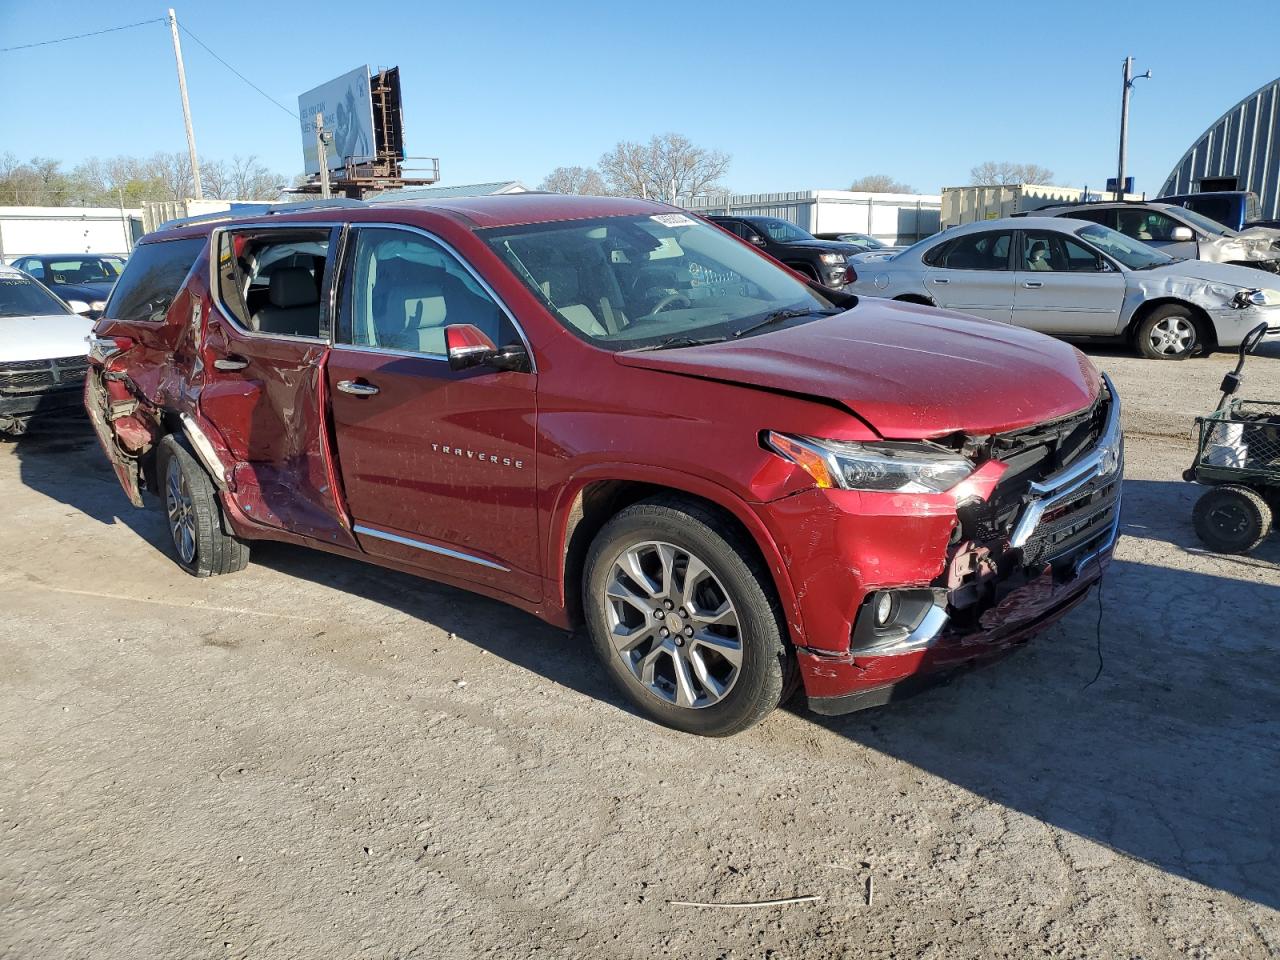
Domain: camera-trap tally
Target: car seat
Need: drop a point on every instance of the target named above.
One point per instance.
(293, 304)
(1038, 257)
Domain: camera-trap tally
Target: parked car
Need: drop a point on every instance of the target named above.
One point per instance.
(1235, 209)
(1180, 232)
(42, 353)
(863, 241)
(826, 261)
(78, 278)
(1077, 278)
(608, 412)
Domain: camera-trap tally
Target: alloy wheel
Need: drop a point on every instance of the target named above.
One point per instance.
(182, 519)
(1173, 336)
(673, 624)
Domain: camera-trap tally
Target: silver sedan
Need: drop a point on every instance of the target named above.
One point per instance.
(1080, 279)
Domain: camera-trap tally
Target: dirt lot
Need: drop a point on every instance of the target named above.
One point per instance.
(316, 758)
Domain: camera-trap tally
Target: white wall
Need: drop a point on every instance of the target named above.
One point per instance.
(28, 230)
(889, 217)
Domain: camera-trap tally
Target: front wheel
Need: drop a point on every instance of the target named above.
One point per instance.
(195, 521)
(1169, 332)
(683, 617)
(1232, 519)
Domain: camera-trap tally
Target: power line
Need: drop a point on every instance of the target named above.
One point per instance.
(183, 28)
(81, 36)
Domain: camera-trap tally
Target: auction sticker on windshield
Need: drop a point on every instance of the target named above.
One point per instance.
(672, 220)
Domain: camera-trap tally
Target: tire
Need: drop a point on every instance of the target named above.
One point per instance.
(1169, 332)
(1232, 519)
(716, 662)
(190, 500)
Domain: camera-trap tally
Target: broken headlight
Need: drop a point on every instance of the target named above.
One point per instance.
(1258, 298)
(882, 467)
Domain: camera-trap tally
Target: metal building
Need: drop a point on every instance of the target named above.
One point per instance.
(1239, 151)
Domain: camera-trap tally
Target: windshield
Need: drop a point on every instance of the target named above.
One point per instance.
(1133, 254)
(630, 282)
(1212, 227)
(23, 297)
(84, 269)
(780, 231)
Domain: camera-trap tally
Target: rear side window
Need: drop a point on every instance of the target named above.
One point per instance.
(1105, 217)
(152, 278)
(275, 281)
(976, 251)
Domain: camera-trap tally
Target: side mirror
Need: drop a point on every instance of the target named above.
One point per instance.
(467, 346)
(757, 240)
(78, 306)
(1102, 266)
(1182, 235)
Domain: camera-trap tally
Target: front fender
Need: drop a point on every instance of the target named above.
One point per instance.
(565, 498)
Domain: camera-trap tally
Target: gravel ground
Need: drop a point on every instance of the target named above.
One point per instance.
(317, 758)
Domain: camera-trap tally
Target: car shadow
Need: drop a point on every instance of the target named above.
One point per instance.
(61, 458)
(1170, 757)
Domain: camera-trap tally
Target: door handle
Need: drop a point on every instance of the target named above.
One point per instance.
(357, 389)
(230, 363)
(939, 280)
(1032, 284)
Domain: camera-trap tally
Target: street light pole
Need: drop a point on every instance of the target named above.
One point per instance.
(186, 106)
(1129, 78)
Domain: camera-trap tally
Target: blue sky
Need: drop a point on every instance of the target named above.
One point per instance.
(802, 96)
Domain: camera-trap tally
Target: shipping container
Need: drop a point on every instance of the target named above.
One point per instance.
(892, 218)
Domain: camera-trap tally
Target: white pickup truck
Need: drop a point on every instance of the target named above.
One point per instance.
(43, 353)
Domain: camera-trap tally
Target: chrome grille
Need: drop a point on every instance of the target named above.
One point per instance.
(25, 377)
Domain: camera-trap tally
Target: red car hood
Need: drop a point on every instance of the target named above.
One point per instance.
(910, 372)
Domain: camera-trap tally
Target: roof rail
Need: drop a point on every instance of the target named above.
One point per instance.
(263, 209)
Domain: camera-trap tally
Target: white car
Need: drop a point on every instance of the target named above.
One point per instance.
(1080, 279)
(43, 353)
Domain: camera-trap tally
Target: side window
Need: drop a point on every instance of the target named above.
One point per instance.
(1215, 208)
(152, 278)
(402, 289)
(977, 251)
(1146, 224)
(1105, 217)
(1047, 251)
(273, 281)
(32, 266)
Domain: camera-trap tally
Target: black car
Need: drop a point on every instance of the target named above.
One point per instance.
(85, 277)
(826, 261)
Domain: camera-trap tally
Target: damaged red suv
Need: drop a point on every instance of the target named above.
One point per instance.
(607, 412)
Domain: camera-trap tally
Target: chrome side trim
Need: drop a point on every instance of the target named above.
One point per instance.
(204, 450)
(428, 547)
(1051, 491)
(389, 351)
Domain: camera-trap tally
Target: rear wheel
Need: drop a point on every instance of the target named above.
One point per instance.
(1232, 519)
(200, 545)
(1169, 332)
(683, 617)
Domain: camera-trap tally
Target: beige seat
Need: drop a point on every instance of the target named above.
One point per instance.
(1038, 257)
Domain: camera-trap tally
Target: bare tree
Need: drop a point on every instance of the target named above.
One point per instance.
(1004, 172)
(173, 170)
(880, 183)
(585, 181)
(666, 167)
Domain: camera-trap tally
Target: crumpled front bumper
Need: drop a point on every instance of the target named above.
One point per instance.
(841, 546)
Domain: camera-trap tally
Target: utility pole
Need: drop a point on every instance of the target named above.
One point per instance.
(1129, 78)
(186, 106)
(323, 137)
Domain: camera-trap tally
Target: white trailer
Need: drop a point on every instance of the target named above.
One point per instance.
(893, 218)
(35, 230)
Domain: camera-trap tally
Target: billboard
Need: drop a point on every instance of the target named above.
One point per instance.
(347, 107)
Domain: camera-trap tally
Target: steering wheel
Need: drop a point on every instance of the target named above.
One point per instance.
(668, 300)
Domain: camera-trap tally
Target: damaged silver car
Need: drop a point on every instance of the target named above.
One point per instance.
(1080, 279)
(1182, 233)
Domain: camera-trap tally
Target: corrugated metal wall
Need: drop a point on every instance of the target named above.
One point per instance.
(892, 221)
(796, 206)
(1241, 144)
